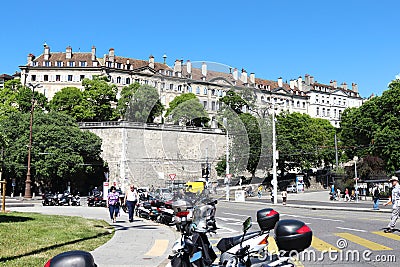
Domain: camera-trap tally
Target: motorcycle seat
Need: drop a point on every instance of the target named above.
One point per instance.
(229, 242)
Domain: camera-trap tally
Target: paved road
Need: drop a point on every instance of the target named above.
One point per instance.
(143, 243)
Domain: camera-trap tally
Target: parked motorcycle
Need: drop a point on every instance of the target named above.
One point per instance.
(248, 249)
(76, 258)
(48, 199)
(96, 201)
(166, 213)
(76, 200)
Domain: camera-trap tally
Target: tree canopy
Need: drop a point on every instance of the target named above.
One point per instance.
(61, 153)
(178, 100)
(374, 128)
(190, 112)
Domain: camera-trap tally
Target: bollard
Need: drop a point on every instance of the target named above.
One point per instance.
(33, 195)
(3, 199)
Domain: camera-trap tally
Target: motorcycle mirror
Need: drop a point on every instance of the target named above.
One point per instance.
(246, 224)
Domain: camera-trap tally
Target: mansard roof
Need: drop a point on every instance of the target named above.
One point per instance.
(137, 63)
(61, 56)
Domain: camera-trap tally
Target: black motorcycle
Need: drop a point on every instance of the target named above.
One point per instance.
(49, 199)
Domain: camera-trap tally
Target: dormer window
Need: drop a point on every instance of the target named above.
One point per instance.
(47, 64)
(109, 64)
(71, 64)
(34, 63)
(59, 63)
(83, 63)
(119, 65)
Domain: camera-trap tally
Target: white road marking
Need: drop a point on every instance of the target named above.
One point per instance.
(351, 229)
(316, 218)
(234, 214)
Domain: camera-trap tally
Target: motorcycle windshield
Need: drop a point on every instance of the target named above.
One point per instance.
(196, 256)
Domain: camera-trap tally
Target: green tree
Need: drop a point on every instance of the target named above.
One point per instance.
(179, 100)
(126, 96)
(234, 101)
(190, 112)
(61, 153)
(69, 100)
(303, 142)
(144, 105)
(99, 98)
(374, 128)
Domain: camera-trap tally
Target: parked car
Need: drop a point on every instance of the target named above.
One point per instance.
(291, 188)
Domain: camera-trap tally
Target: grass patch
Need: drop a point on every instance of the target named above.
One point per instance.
(30, 239)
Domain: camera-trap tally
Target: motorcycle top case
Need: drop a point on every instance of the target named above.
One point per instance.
(76, 258)
(267, 218)
(292, 235)
(181, 205)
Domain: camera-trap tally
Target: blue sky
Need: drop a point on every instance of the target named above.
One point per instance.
(344, 40)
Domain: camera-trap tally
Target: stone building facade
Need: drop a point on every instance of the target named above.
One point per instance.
(56, 70)
(148, 154)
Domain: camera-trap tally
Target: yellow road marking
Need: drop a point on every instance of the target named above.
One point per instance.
(321, 245)
(158, 249)
(388, 235)
(272, 246)
(362, 241)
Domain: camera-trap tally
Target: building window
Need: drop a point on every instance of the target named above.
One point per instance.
(33, 78)
(205, 105)
(82, 77)
(213, 105)
(189, 89)
(59, 63)
(304, 104)
(180, 88)
(119, 65)
(323, 112)
(171, 86)
(58, 78)
(146, 82)
(328, 112)
(205, 91)
(118, 79)
(198, 90)
(46, 78)
(162, 86)
(83, 63)
(71, 64)
(70, 78)
(298, 104)
(128, 80)
(109, 64)
(317, 111)
(34, 64)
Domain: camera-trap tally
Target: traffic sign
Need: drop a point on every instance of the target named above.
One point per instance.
(172, 176)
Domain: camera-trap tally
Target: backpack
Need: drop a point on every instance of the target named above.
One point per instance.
(376, 193)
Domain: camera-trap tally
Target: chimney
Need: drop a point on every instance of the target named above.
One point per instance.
(189, 68)
(111, 55)
(178, 68)
(331, 83)
(235, 74)
(354, 87)
(46, 52)
(204, 70)
(291, 84)
(68, 52)
(311, 80)
(151, 61)
(93, 53)
(307, 79)
(344, 85)
(31, 57)
(300, 83)
(280, 82)
(243, 76)
(334, 84)
(252, 78)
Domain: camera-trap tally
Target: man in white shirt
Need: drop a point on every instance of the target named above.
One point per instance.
(395, 201)
(131, 198)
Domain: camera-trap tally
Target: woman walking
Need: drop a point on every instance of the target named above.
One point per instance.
(113, 203)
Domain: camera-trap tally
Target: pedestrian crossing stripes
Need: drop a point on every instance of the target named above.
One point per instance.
(318, 244)
(362, 241)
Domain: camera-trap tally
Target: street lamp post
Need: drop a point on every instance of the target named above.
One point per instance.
(225, 122)
(28, 180)
(355, 175)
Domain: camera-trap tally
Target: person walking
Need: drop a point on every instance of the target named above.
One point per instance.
(113, 203)
(284, 196)
(395, 201)
(131, 199)
(338, 194)
(375, 196)
(346, 194)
